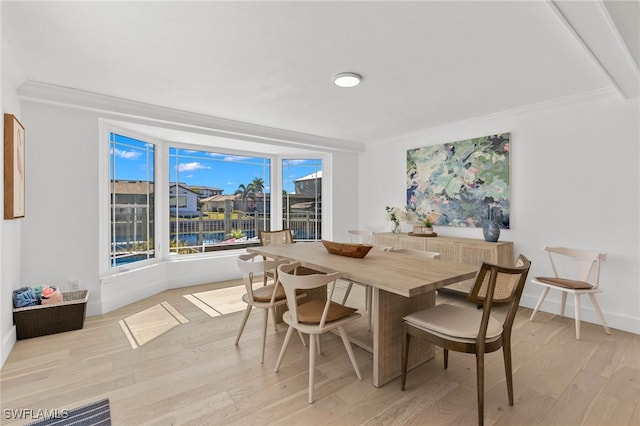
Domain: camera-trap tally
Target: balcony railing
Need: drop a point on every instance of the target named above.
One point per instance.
(207, 232)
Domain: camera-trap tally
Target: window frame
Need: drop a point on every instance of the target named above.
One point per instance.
(218, 150)
(104, 215)
(323, 162)
(161, 202)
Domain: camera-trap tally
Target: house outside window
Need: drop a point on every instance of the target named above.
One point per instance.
(182, 200)
(302, 198)
(131, 197)
(231, 216)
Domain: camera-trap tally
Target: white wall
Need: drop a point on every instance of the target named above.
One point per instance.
(60, 238)
(10, 230)
(574, 182)
(345, 200)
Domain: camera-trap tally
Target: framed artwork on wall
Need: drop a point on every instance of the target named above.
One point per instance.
(459, 183)
(14, 176)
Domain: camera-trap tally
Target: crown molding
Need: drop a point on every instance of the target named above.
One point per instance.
(141, 112)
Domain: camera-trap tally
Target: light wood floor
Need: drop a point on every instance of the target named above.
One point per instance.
(194, 374)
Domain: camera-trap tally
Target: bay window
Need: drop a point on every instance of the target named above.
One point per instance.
(169, 200)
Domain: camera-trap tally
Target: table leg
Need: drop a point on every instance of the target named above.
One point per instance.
(389, 309)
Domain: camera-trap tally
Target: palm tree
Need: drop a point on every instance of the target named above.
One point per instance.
(245, 191)
(258, 185)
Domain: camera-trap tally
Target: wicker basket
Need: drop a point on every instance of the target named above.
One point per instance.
(40, 320)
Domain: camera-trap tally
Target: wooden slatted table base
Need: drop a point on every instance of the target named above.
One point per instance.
(389, 309)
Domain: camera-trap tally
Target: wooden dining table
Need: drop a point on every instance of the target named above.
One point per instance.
(401, 283)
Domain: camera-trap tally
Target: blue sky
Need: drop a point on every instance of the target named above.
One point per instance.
(201, 168)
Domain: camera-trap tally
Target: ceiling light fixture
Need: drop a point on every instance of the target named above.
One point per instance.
(347, 79)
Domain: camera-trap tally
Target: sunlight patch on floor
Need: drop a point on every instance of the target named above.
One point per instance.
(219, 302)
(146, 325)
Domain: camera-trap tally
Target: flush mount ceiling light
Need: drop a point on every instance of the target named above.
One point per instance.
(347, 79)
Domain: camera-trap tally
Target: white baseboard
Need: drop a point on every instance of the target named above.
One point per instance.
(587, 313)
(8, 342)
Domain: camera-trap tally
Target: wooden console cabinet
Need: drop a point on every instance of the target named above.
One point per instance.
(453, 249)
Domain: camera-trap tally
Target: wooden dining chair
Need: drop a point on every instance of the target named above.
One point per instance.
(360, 237)
(314, 317)
(266, 297)
(573, 273)
(280, 237)
(463, 329)
(272, 238)
(421, 253)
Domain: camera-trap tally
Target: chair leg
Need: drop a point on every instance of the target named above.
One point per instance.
(346, 293)
(445, 354)
(312, 365)
(285, 344)
(302, 339)
(275, 321)
(406, 337)
(545, 290)
(480, 380)
(347, 346)
(508, 369)
(596, 306)
(576, 298)
(244, 322)
(318, 344)
(264, 334)
(369, 301)
(563, 304)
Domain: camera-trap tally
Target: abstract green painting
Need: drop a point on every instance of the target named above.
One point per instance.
(456, 183)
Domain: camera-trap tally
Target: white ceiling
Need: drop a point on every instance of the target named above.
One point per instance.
(424, 63)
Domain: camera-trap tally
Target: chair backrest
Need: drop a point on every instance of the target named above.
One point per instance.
(275, 238)
(499, 285)
(292, 282)
(421, 253)
(583, 260)
(362, 237)
(254, 266)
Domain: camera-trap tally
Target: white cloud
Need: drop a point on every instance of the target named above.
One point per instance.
(235, 158)
(127, 155)
(189, 167)
(228, 157)
(294, 162)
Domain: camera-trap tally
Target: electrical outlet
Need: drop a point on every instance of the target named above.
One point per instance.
(75, 285)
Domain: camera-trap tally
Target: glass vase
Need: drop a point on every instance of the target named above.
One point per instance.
(395, 227)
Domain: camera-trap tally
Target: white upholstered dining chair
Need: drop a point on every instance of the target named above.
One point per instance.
(421, 253)
(581, 279)
(360, 237)
(266, 296)
(314, 317)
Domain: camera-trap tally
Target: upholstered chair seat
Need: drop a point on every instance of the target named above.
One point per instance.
(454, 323)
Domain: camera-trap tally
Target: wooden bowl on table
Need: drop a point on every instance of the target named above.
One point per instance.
(347, 249)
